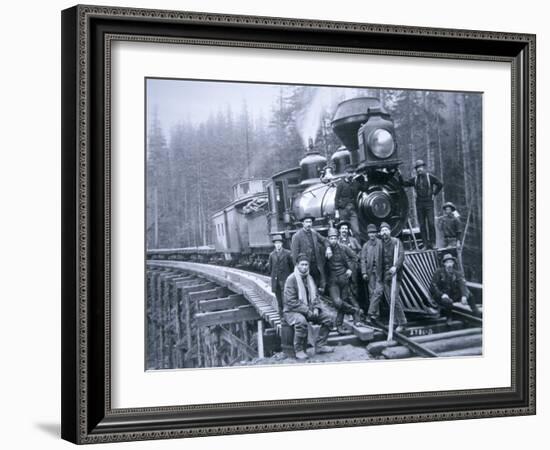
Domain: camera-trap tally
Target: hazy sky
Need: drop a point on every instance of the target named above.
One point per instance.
(174, 100)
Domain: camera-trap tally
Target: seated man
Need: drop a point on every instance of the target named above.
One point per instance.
(448, 286)
(301, 304)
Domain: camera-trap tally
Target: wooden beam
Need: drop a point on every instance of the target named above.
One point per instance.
(260, 338)
(219, 304)
(200, 286)
(237, 342)
(189, 282)
(208, 294)
(247, 312)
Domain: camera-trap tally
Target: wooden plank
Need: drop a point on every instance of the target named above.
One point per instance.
(219, 304)
(260, 338)
(189, 282)
(240, 314)
(198, 287)
(237, 343)
(208, 294)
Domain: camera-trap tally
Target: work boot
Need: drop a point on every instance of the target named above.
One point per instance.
(342, 331)
(324, 349)
(400, 329)
(301, 355)
(358, 317)
(371, 319)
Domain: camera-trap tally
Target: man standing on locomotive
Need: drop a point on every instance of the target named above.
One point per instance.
(302, 305)
(450, 226)
(371, 269)
(390, 245)
(341, 265)
(279, 266)
(345, 200)
(448, 286)
(426, 186)
(315, 246)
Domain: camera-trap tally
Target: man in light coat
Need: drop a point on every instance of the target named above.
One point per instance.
(302, 305)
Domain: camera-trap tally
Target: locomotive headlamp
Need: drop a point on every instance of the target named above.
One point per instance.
(381, 143)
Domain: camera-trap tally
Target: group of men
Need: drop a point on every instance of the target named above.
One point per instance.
(315, 265)
(331, 265)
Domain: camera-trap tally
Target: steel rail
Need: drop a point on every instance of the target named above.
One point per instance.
(414, 347)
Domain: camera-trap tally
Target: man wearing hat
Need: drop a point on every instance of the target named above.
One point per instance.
(340, 267)
(391, 269)
(371, 270)
(450, 226)
(279, 266)
(302, 305)
(426, 187)
(315, 246)
(345, 238)
(448, 286)
(345, 200)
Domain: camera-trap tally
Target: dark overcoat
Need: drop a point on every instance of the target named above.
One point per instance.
(452, 284)
(371, 257)
(279, 266)
(300, 244)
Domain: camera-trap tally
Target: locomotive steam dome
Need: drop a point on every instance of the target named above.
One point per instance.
(340, 159)
(311, 166)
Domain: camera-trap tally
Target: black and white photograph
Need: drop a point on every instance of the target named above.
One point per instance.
(311, 224)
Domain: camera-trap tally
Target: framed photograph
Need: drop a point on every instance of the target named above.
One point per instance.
(281, 224)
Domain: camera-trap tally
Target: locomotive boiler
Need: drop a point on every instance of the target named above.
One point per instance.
(369, 156)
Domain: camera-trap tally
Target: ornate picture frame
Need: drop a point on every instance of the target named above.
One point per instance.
(88, 33)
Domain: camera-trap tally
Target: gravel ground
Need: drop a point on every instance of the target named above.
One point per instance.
(341, 353)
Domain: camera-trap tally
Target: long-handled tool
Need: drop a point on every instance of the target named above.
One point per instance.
(459, 249)
(392, 293)
(412, 234)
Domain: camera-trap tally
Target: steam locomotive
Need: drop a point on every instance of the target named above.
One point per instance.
(243, 229)
(262, 208)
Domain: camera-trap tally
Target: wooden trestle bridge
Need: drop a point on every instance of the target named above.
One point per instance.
(203, 315)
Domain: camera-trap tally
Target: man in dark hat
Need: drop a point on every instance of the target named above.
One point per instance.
(279, 266)
(371, 270)
(315, 246)
(302, 305)
(392, 267)
(346, 239)
(426, 187)
(448, 286)
(340, 267)
(346, 199)
(450, 226)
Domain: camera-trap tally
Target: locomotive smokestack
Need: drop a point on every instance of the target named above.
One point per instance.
(310, 145)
